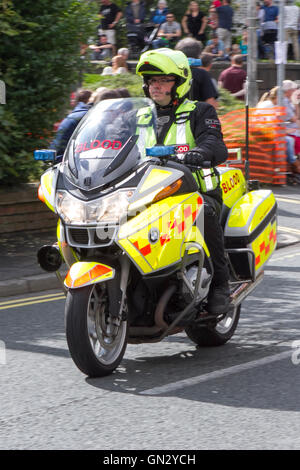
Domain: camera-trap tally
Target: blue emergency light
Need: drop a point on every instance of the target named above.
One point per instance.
(161, 150)
(194, 62)
(45, 155)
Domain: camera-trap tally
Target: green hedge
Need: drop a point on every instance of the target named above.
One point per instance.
(40, 63)
(134, 85)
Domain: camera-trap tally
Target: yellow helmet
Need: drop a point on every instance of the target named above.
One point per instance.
(166, 62)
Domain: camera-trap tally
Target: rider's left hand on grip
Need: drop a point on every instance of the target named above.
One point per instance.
(194, 158)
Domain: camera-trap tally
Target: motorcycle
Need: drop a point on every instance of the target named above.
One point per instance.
(131, 232)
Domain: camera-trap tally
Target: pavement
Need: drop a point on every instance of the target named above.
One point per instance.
(20, 272)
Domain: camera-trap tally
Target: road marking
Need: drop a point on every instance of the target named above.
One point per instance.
(283, 199)
(216, 374)
(284, 257)
(19, 303)
(30, 298)
(289, 229)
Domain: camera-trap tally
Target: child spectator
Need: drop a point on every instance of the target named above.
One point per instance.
(235, 50)
(244, 43)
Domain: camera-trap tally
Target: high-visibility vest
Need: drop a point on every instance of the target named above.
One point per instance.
(145, 128)
(179, 134)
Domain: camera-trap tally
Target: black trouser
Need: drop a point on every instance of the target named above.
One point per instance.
(214, 239)
(270, 36)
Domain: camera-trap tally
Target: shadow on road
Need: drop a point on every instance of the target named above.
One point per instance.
(270, 317)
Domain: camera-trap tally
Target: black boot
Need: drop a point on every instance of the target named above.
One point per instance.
(218, 299)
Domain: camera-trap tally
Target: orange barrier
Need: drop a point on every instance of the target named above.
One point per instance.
(267, 146)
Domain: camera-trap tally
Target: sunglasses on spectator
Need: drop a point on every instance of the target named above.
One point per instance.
(160, 81)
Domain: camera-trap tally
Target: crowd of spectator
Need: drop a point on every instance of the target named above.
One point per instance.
(213, 27)
(291, 118)
(200, 35)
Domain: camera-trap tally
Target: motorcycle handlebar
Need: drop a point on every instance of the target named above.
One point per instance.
(168, 152)
(174, 158)
(205, 164)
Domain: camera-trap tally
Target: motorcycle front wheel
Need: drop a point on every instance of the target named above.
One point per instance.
(218, 334)
(96, 340)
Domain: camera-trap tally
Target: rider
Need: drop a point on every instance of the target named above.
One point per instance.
(167, 81)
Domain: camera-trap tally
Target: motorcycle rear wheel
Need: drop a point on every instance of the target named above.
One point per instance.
(215, 335)
(96, 341)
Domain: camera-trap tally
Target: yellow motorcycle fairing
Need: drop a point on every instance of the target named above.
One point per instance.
(233, 184)
(85, 273)
(264, 245)
(156, 238)
(47, 188)
(153, 182)
(252, 221)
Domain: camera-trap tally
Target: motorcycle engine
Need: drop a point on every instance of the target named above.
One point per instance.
(204, 284)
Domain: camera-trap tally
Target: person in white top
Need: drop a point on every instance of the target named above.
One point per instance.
(118, 66)
(292, 121)
(267, 101)
(291, 24)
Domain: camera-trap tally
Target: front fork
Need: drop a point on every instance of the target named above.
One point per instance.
(119, 277)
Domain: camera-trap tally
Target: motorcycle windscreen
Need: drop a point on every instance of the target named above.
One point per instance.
(109, 141)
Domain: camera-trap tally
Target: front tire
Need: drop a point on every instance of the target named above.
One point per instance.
(96, 341)
(218, 334)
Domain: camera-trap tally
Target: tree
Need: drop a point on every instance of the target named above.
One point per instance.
(40, 63)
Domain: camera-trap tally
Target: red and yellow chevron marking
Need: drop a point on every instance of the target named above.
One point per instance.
(85, 273)
(173, 227)
(264, 245)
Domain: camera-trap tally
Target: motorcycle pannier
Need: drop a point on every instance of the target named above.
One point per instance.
(250, 232)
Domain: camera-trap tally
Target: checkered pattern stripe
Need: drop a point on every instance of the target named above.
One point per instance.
(176, 230)
(266, 245)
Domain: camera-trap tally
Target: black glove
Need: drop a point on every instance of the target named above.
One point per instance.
(193, 158)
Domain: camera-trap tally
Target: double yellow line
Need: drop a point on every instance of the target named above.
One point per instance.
(31, 300)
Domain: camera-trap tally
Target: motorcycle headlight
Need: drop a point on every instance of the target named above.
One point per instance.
(110, 208)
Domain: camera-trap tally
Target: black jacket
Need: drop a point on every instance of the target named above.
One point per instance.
(202, 85)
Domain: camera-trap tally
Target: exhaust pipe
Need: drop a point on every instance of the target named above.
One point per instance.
(161, 306)
(154, 334)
